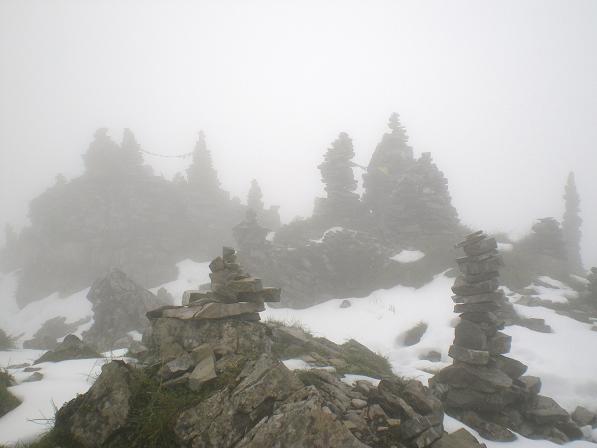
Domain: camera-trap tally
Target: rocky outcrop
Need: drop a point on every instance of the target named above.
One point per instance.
(119, 307)
(483, 388)
(217, 380)
(46, 338)
(7, 400)
(70, 348)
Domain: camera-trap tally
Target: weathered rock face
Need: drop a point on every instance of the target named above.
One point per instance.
(70, 348)
(213, 381)
(46, 338)
(119, 306)
(92, 418)
(483, 388)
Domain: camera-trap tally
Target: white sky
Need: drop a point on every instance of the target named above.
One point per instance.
(503, 93)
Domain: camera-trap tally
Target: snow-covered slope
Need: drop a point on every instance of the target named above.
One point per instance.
(566, 360)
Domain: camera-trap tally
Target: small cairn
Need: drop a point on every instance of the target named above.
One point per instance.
(483, 388)
(233, 293)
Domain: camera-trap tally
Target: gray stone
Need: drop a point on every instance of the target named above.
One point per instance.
(477, 357)
(545, 411)
(177, 366)
(458, 439)
(204, 371)
(499, 344)
(35, 376)
(532, 384)
(511, 367)
(583, 417)
(357, 403)
(93, 418)
(463, 288)
(212, 310)
(470, 335)
(479, 378)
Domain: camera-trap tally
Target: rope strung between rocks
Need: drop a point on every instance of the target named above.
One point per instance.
(168, 156)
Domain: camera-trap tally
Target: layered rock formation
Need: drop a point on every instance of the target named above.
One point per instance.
(119, 307)
(483, 388)
(70, 348)
(212, 377)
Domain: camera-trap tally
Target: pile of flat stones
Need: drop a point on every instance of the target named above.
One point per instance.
(483, 388)
(233, 294)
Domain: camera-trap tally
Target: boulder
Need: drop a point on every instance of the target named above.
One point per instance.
(469, 356)
(71, 348)
(119, 306)
(92, 418)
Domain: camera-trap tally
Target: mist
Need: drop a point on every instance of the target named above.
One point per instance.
(504, 94)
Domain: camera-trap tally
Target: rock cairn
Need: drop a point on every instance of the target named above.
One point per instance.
(234, 293)
(483, 388)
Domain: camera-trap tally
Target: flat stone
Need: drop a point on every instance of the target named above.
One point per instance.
(477, 357)
(463, 288)
(479, 378)
(214, 310)
(217, 264)
(483, 317)
(480, 265)
(532, 384)
(470, 399)
(480, 247)
(499, 344)
(497, 297)
(191, 296)
(485, 307)
(511, 367)
(545, 411)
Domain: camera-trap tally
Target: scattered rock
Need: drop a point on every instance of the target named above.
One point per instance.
(35, 376)
(583, 417)
(71, 348)
(413, 336)
(345, 304)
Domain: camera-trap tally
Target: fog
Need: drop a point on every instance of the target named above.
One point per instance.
(503, 94)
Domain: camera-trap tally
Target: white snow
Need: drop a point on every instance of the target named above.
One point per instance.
(299, 364)
(330, 230)
(24, 323)
(190, 275)
(579, 279)
(556, 292)
(505, 247)
(270, 236)
(408, 256)
(351, 379)
(566, 360)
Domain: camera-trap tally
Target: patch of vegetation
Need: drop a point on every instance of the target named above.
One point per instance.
(7, 400)
(154, 410)
(362, 361)
(6, 342)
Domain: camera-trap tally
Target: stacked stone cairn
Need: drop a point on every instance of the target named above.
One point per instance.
(483, 388)
(233, 293)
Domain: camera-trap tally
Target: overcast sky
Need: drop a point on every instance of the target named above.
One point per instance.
(502, 93)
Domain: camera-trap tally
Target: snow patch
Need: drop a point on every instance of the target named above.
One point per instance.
(505, 247)
(408, 256)
(190, 275)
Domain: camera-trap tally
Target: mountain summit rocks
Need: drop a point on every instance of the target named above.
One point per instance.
(213, 377)
(483, 388)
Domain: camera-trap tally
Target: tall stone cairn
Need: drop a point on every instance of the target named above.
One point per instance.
(483, 388)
